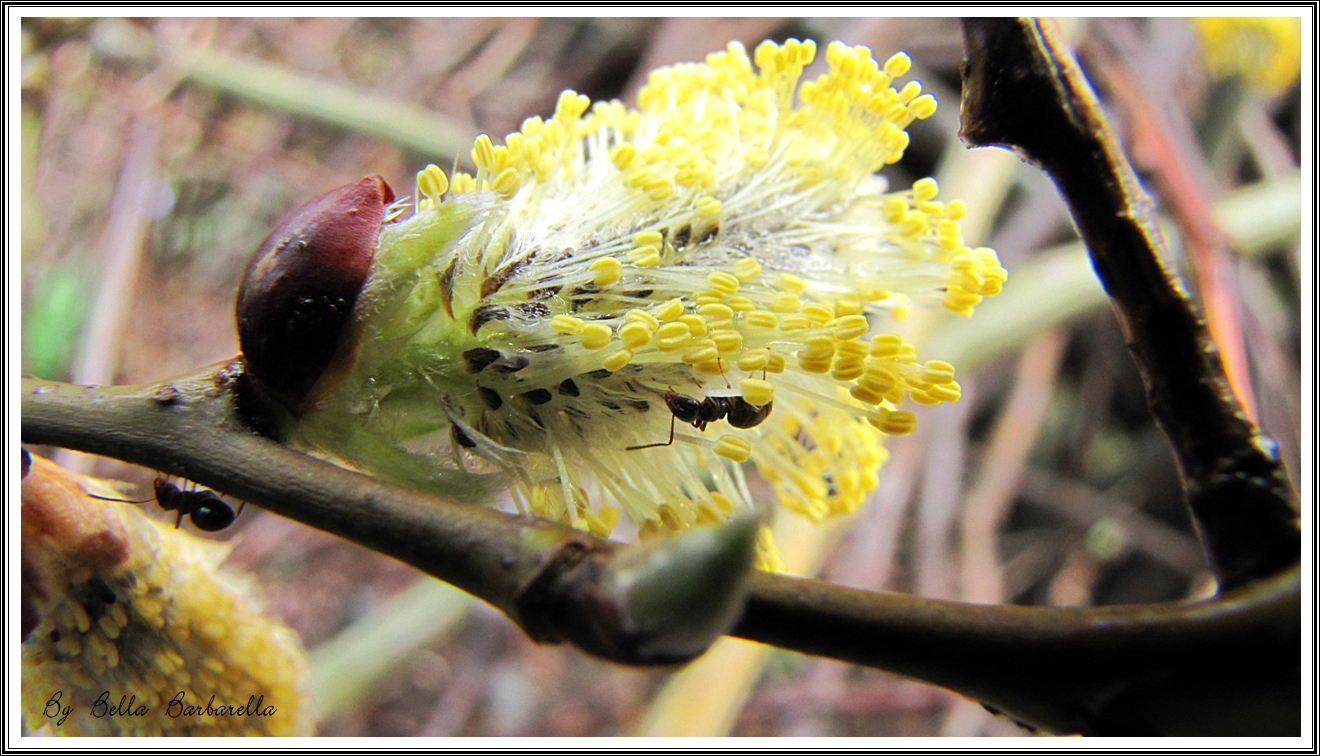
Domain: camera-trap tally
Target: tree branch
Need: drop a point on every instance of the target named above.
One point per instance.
(1024, 90)
(1069, 670)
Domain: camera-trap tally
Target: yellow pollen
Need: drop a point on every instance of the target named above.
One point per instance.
(734, 448)
(567, 324)
(723, 282)
(596, 336)
(616, 362)
(669, 310)
(756, 391)
(608, 270)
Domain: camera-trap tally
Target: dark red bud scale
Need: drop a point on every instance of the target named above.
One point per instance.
(299, 289)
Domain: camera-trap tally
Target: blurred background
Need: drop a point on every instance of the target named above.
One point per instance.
(157, 153)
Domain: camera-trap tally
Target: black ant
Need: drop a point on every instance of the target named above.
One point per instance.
(206, 509)
(697, 413)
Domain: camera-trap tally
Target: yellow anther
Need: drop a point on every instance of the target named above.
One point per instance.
(879, 377)
(709, 367)
(645, 257)
(775, 363)
(635, 334)
(852, 348)
(596, 335)
(642, 316)
(747, 269)
(432, 182)
(897, 65)
(483, 153)
(816, 365)
(623, 156)
(894, 210)
(945, 392)
(567, 324)
(507, 182)
(761, 319)
(923, 107)
(794, 321)
(960, 301)
(847, 369)
(701, 350)
(850, 327)
(886, 345)
(649, 239)
(937, 372)
(756, 391)
(617, 361)
(791, 283)
(785, 302)
(709, 208)
(669, 310)
(673, 336)
(723, 282)
(819, 313)
(926, 189)
(607, 270)
(817, 346)
(740, 304)
(864, 393)
(922, 397)
(716, 315)
(727, 340)
(707, 296)
(754, 359)
(848, 304)
(734, 448)
(695, 323)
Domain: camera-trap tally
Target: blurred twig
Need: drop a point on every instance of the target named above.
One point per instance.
(121, 248)
(990, 498)
(346, 666)
(427, 132)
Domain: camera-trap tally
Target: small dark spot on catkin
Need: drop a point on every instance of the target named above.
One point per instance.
(485, 314)
(569, 388)
(511, 364)
(491, 397)
(538, 396)
(477, 359)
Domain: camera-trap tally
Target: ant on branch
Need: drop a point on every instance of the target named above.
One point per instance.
(206, 509)
(698, 413)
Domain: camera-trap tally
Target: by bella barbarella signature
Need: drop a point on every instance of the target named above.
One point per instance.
(58, 709)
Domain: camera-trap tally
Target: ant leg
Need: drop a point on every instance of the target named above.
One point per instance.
(720, 364)
(241, 504)
(667, 443)
(178, 521)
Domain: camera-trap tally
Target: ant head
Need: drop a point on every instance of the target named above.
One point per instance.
(684, 407)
